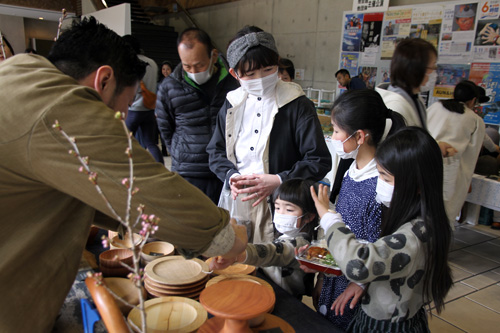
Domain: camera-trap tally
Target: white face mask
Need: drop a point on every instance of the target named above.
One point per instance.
(384, 192)
(430, 82)
(287, 224)
(262, 86)
(202, 77)
(339, 148)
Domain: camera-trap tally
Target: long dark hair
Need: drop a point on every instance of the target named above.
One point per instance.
(364, 109)
(298, 192)
(409, 63)
(464, 91)
(413, 157)
(256, 57)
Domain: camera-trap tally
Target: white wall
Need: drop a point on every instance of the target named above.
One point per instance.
(116, 18)
(308, 32)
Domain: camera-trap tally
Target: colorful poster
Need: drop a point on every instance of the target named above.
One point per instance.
(353, 24)
(368, 75)
(349, 61)
(372, 30)
(396, 26)
(487, 75)
(448, 75)
(489, 9)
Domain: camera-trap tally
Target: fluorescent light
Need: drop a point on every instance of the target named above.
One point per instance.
(40, 18)
(104, 3)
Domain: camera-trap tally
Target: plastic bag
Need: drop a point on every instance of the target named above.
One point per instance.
(239, 210)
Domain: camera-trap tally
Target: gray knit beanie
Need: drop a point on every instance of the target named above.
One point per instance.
(240, 46)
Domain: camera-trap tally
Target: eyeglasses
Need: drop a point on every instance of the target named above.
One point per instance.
(432, 68)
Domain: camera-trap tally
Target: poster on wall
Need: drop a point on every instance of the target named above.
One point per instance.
(369, 5)
(349, 61)
(368, 75)
(457, 33)
(372, 30)
(426, 24)
(486, 41)
(487, 75)
(353, 24)
(396, 27)
(448, 75)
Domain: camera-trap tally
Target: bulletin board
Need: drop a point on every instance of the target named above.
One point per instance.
(465, 34)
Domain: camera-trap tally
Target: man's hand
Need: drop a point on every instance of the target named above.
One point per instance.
(352, 291)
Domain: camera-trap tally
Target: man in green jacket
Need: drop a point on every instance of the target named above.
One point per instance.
(47, 205)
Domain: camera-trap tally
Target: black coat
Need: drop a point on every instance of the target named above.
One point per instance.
(186, 118)
(297, 147)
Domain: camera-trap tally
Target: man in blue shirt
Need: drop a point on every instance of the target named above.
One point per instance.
(345, 80)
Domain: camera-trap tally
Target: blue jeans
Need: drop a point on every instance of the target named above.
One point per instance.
(146, 121)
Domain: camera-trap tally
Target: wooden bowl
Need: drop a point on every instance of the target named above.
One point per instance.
(125, 289)
(107, 258)
(125, 243)
(155, 250)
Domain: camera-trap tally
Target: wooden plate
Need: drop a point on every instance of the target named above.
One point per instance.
(239, 300)
(155, 294)
(233, 269)
(177, 292)
(176, 270)
(240, 277)
(180, 287)
(170, 314)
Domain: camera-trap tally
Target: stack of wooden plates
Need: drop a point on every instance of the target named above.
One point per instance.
(234, 269)
(176, 276)
(169, 314)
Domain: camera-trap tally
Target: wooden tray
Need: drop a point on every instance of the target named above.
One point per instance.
(176, 270)
(170, 314)
(240, 300)
(236, 268)
(249, 278)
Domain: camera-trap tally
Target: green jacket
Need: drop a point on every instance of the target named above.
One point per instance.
(48, 206)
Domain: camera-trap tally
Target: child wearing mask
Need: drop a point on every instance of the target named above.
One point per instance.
(267, 131)
(295, 219)
(406, 267)
(360, 122)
